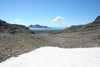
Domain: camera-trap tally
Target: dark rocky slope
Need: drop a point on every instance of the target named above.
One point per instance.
(93, 25)
(13, 28)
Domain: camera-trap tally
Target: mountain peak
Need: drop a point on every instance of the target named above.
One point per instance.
(97, 20)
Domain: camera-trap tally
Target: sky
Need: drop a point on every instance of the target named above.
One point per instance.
(56, 57)
(52, 13)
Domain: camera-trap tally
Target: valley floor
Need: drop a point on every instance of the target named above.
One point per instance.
(14, 45)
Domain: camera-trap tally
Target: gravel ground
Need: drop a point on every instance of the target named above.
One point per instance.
(14, 45)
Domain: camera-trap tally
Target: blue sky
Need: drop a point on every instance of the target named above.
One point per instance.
(53, 13)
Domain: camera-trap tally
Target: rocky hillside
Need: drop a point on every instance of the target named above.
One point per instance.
(93, 25)
(13, 28)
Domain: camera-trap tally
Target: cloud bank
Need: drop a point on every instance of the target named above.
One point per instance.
(58, 18)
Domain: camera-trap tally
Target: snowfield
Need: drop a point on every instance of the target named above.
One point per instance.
(56, 57)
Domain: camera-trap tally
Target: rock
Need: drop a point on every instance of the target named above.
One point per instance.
(13, 28)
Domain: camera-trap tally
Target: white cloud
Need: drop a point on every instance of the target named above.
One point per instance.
(58, 18)
(19, 19)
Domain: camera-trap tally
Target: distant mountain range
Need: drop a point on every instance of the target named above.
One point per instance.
(38, 26)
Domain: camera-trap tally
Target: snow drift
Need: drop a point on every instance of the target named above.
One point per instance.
(56, 57)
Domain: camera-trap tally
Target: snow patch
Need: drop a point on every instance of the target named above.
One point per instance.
(56, 57)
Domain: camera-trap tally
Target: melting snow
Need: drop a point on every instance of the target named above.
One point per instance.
(56, 57)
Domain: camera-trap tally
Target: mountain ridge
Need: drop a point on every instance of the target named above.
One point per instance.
(38, 26)
(95, 23)
(13, 28)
